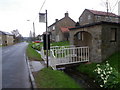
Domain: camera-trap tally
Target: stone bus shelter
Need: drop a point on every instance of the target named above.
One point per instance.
(102, 39)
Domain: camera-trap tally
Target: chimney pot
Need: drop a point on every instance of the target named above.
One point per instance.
(66, 14)
(56, 20)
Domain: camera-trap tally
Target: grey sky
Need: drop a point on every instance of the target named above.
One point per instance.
(15, 13)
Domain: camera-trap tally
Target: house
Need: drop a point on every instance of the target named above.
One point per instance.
(2, 38)
(93, 16)
(59, 30)
(102, 37)
(6, 38)
(39, 37)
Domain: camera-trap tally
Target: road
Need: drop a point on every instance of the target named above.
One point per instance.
(14, 67)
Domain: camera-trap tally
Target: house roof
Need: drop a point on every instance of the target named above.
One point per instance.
(93, 24)
(102, 13)
(59, 21)
(6, 33)
(64, 29)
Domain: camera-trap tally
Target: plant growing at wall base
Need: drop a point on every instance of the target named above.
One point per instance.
(107, 76)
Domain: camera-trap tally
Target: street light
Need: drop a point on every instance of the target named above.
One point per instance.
(33, 30)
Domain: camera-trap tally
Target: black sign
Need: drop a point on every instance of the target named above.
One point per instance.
(45, 43)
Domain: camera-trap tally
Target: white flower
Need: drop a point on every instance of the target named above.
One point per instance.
(101, 75)
(109, 72)
(111, 68)
(105, 81)
(102, 78)
(106, 61)
(99, 69)
(98, 72)
(101, 85)
(98, 65)
(107, 77)
(104, 73)
(108, 64)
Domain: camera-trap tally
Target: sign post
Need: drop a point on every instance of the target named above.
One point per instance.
(47, 41)
(43, 18)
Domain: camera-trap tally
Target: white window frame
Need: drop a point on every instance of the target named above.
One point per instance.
(80, 36)
(89, 17)
(53, 27)
(113, 34)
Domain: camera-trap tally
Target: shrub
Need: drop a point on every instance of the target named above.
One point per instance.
(36, 46)
(107, 76)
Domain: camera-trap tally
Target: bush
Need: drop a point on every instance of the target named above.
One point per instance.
(107, 76)
(36, 46)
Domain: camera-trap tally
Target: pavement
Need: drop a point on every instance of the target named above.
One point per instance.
(34, 66)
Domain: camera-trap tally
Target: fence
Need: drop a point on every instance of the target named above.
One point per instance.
(68, 55)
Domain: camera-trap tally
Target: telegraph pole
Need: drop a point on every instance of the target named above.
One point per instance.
(34, 31)
(47, 40)
(118, 8)
(107, 6)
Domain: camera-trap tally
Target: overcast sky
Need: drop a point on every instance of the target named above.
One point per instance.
(15, 13)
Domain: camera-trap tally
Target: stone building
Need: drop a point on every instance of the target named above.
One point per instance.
(6, 38)
(3, 38)
(103, 39)
(59, 30)
(93, 16)
(98, 31)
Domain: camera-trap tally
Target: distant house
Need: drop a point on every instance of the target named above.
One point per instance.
(6, 38)
(93, 16)
(101, 36)
(39, 37)
(59, 30)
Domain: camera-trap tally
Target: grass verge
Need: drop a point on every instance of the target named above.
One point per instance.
(32, 54)
(113, 60)
(48, 78)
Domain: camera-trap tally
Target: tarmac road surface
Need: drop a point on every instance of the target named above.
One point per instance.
(14, 67)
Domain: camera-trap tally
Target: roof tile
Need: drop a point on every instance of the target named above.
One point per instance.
(103, 13)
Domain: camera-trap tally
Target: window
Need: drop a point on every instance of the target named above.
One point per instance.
(53, 27)
(89, 17)
(98, 18)
(81, 19)
(113, 34)
(80, 36)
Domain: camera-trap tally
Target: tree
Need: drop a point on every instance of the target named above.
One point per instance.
(17, 36)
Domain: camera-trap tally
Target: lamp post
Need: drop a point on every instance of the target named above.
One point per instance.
(33, 30)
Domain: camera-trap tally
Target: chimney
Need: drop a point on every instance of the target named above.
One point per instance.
(66, 14)
(56, 20)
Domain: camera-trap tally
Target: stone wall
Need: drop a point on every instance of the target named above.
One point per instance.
(109, 47)
(65, 22)
(10, 39)
(3, 39)
(95, 48)
(86, 18)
